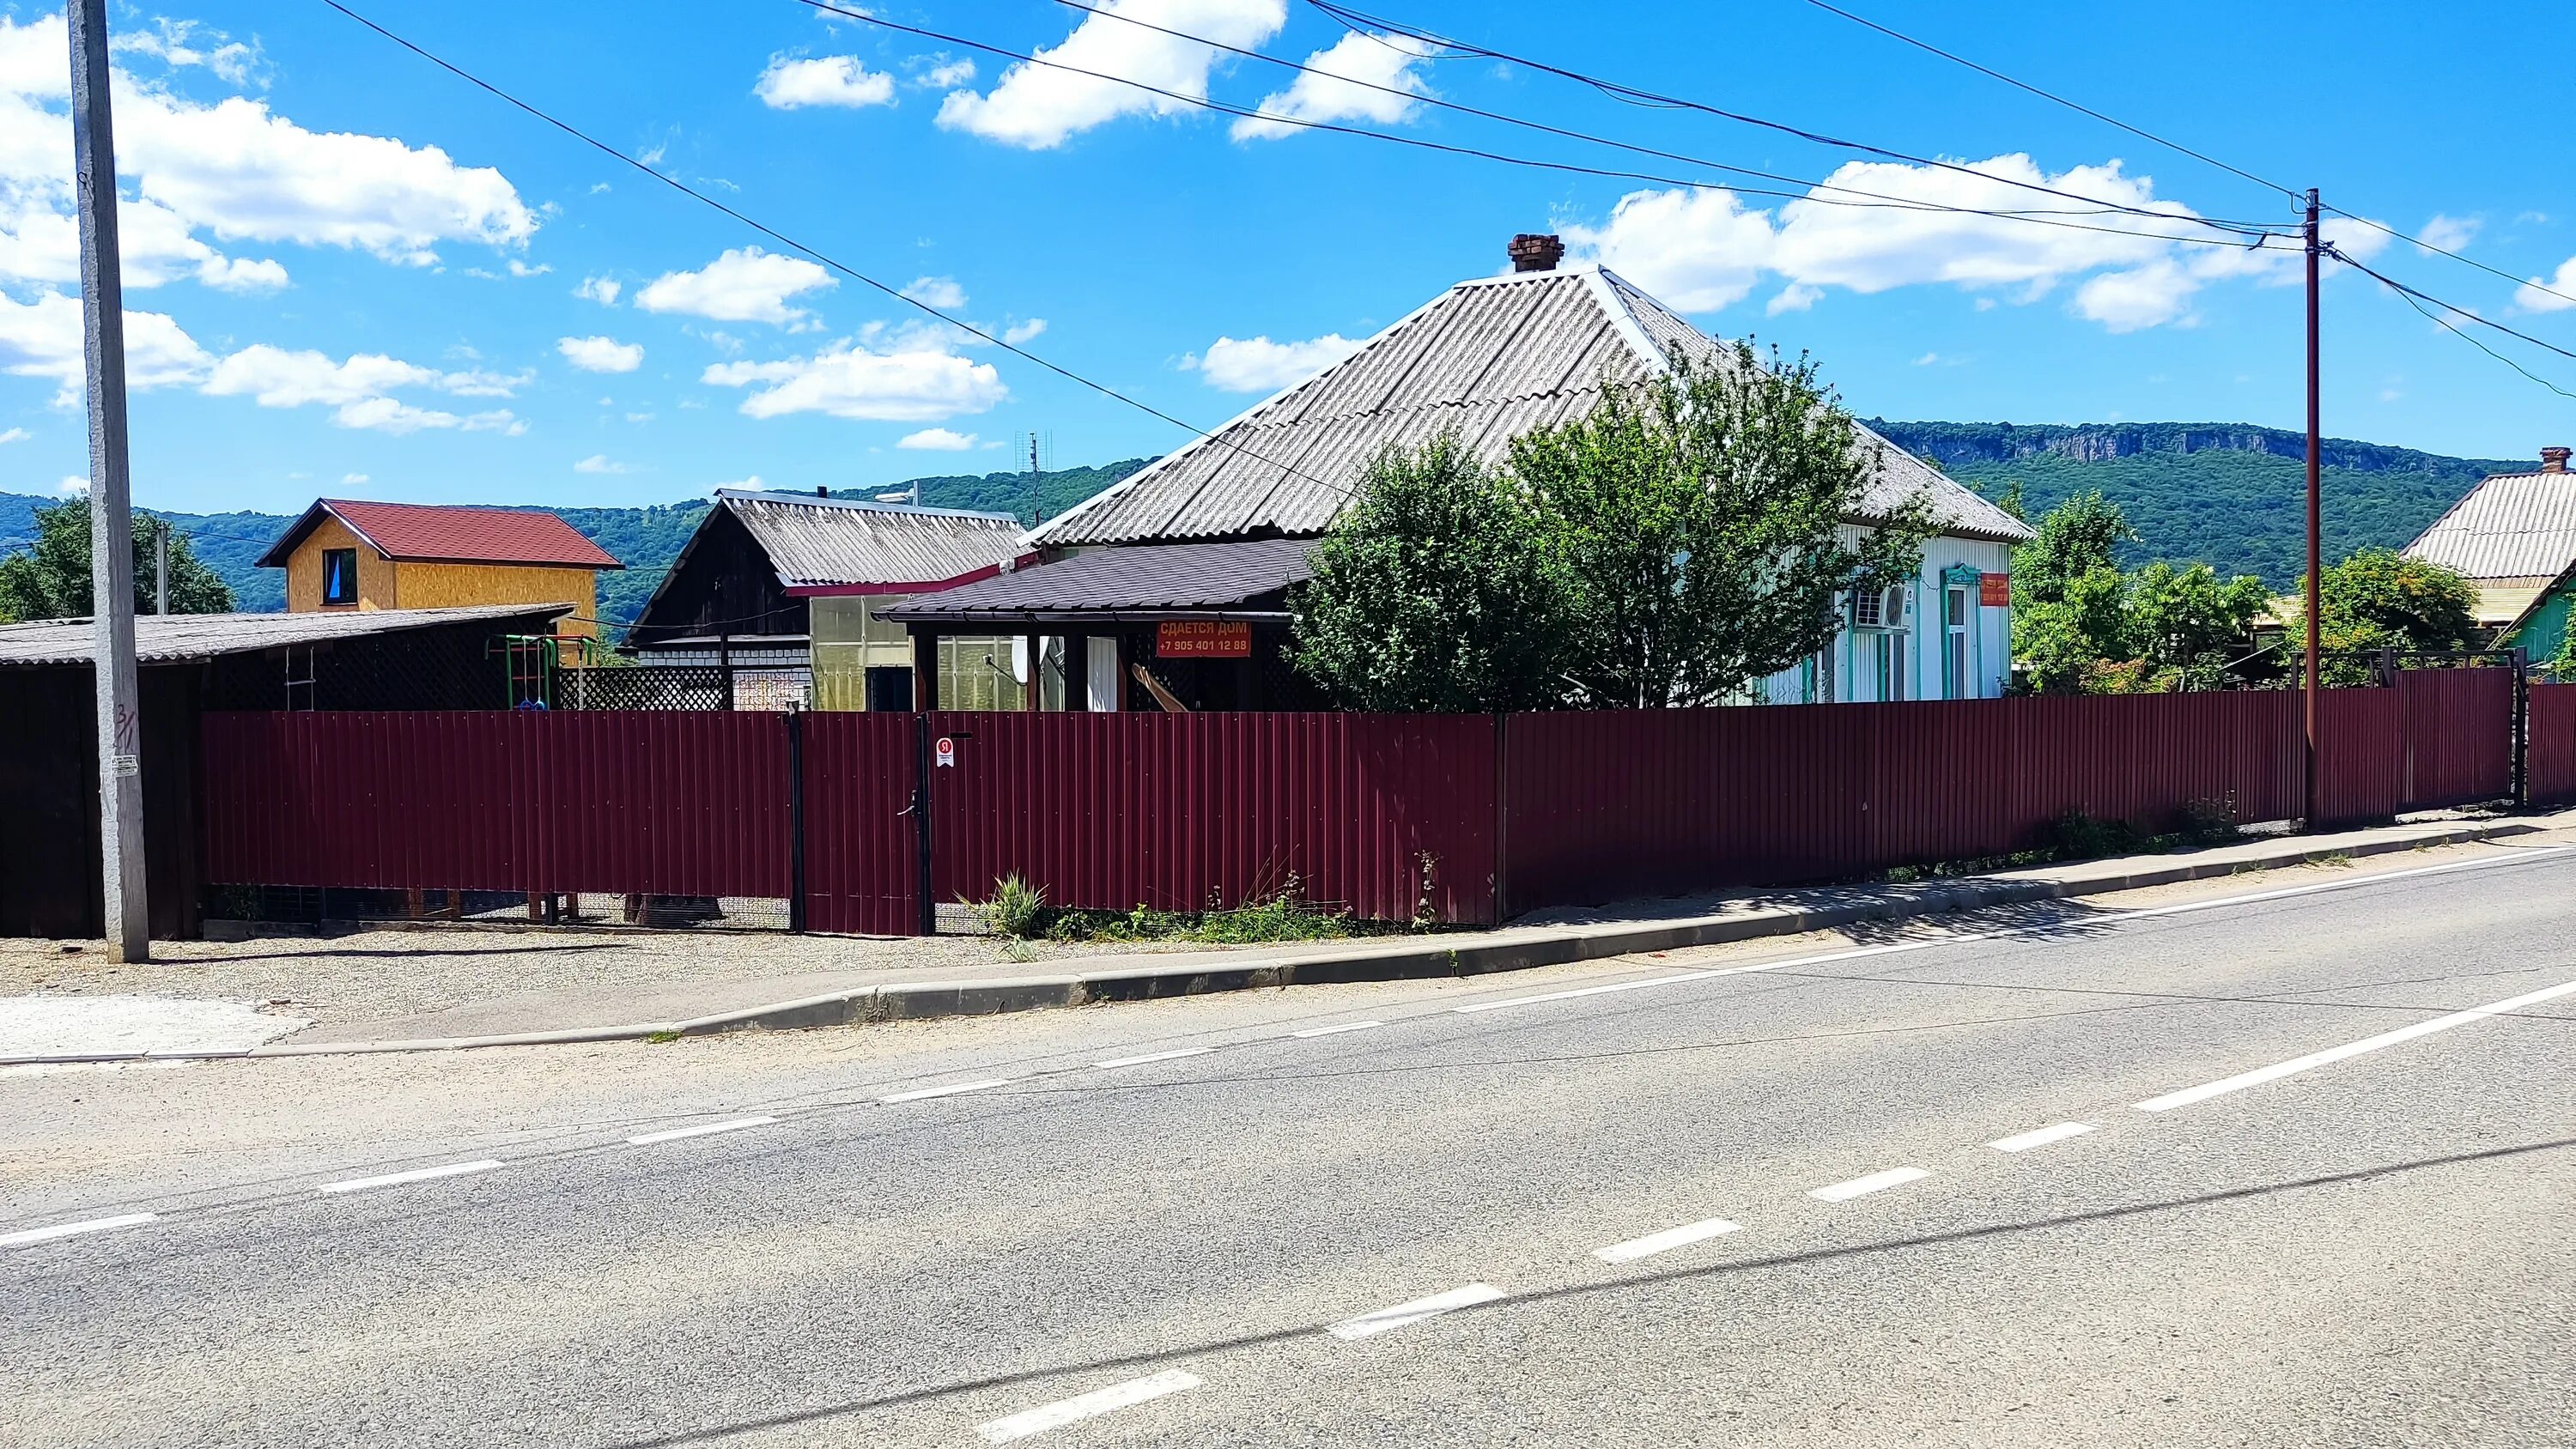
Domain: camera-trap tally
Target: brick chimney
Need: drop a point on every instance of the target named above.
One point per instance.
(2553, 460)
(1535, 252)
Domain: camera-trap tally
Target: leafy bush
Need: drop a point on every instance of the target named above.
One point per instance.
(2208, 822)
(1284, 915)
(2078, 836)
(1015, 909)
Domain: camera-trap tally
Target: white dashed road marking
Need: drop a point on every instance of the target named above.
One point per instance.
(1405, 1314)
(1665, 1241)
(1864, 1186)
(2040, 1137)
(73, 1230)
(1087, 1406)
(418, 1174)
(2273, 1073)
(1170, 1056)
(1330, 1030)
(950, 1091)
(706, 1130)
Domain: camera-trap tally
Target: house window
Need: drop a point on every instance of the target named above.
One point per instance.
(1883, 654)
(339, 576)
(1955, 616)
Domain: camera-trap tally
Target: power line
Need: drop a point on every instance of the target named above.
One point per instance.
(2100, 208)
(1622, 90)
(2173, 145)
(2046, 95)
(2417, 300)
(793, 244)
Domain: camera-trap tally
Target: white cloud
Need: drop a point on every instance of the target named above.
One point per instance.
(43, 338)
(1039, 107)
(1796, 297)
(948, 74)
(2530, 298)
(743, 285)
(73, 484)
(351, 480)
(601, 354)
(2147, 296)
(751, 484)
(522, 269)
(823, 80)
(852, 381)
(15, 435)
(1257, 364)
(1028, 331)
(1378, 82)
(602, 290)
(1697, 250)
(937, 440)
(940, 292)
(2448, 233)
(358, 389)
(598, 463)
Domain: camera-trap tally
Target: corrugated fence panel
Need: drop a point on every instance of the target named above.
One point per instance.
(2552, 760)
(2360, 755)
(862, 862)
(1178, 812)
(2459, 736)
(666, 804)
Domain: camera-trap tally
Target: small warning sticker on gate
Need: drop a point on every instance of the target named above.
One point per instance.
(945, 752)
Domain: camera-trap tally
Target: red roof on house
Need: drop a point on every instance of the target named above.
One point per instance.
(436, 533)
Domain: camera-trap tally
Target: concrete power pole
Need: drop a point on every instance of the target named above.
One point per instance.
(111, 521)
(2316, 501)
(160, 566)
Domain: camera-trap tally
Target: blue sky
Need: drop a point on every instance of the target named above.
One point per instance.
(355, 275)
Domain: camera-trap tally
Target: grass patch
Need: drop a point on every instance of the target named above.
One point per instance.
(1018, 912)
(2078, 836)
(661, 1038)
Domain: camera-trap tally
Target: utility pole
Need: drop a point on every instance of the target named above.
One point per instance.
(160, 566)
(111, 520)
(1037, 510)
(2316, 552)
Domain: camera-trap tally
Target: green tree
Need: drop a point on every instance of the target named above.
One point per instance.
(1698, 528)
(2379, 599)
(1432, 593)
(51, 580)
(2070, 603)
(2187, 625)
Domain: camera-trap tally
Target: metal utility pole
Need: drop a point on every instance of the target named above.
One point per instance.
(111, 521)
(160, 566)
(2316, 552)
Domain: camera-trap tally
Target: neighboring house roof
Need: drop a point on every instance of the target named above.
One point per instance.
(171, 638)
(2516, 526)
(1489, 359)
(1157, 580)
(821, 545)
(438, 533)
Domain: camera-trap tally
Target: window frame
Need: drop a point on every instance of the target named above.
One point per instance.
(348, 576)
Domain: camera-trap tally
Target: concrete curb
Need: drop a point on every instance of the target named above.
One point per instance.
(1405, 959)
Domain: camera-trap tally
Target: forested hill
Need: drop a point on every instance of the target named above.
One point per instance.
(2230, 494)
(644, 539)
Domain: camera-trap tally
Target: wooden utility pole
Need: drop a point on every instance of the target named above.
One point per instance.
(111, 519)
(2316, 551)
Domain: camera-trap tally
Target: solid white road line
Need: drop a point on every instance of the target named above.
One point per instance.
(1169, 1056)
(1419, 1309)
(73, 1230)
(1088, 1406)
(1665, 1241)
(708, 1130)
(1864, 1186)
(418, 1174)
(1342, 1027)
(2273, 1073)
(951, 1091)
(1966, 938)
(2040, 1137)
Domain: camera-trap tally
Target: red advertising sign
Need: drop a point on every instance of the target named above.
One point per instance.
(1994, 591)
(1202, 639)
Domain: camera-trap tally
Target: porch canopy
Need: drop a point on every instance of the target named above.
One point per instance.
(1147, 583)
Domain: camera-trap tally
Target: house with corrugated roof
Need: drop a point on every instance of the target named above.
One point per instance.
(1197, 618)
(2514, 537)
(347, 554)
(790, 582)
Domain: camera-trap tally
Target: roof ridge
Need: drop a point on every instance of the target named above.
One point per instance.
(861, 505)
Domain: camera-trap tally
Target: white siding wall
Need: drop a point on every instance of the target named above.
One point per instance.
(1854, 666)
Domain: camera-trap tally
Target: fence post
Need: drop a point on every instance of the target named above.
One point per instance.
(929, 918)
(1502, 817)
(796, 820)
(724, 665)
(2521, 728)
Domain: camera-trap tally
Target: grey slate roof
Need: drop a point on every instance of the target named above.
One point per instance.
(1165, 579)
(821, 542)
(1489, 359)
(2512, 526)
(170, 638)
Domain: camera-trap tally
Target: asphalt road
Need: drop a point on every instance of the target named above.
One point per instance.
(2312, 1202)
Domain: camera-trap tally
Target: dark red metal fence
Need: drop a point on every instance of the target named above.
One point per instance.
(1175, 812)
(1468, 816)
(2552, 760)
(679, 804)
